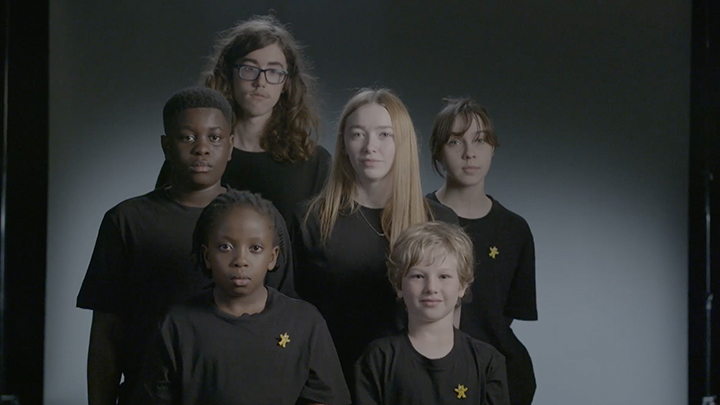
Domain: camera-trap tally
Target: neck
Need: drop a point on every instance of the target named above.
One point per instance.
(237, 306)
(248, 132)
(198, 198)
(432, 339)
(373, 195)
(467, 202)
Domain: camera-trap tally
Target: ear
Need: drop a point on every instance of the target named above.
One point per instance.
(232, 146)
(462, 291)
(399, 294)
(165, 144)
(205, 256)
(275, 252)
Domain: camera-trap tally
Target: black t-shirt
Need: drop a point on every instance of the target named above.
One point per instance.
(285, 184)
(391, 371)
(142, 264)
(504, 286)
(346, 278)
(203, 355)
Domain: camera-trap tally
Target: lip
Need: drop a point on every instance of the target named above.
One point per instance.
(470, 169)
(201, 166)
(370, 161)
(240, 281)
(261, 96)
(429, 302)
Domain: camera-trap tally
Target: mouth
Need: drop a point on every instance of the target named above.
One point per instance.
(240, 281)
(370, 162)
(201, 166)
(428, 302)
(470, 169)
(260, 96)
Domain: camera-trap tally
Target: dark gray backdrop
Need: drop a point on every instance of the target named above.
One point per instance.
(591, 105)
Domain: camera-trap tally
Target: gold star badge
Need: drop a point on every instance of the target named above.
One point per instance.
(494, 252)
(460, 390)
(284, 340)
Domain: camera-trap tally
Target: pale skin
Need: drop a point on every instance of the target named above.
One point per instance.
(369, 144)
(431, 290)
(257, 98)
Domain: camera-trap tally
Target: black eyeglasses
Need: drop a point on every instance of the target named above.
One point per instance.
(251, 73)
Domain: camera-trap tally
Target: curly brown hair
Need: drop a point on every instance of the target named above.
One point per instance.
(290, 135)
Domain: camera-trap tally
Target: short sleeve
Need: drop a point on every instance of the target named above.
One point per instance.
(325, 383)
(159, 380)
(496, 387)
(101, 289)
(521, 302)
(365, 386)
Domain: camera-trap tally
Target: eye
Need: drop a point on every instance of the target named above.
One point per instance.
(256, 248)
(248, 69)
(453, 142)
(445, 276)
(386, 134)
(356, 134)
(225, 247)
(215, 138)
(480, 139)
(187, 138)
(415, 276)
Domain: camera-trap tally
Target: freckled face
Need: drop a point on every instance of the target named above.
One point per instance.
(466, 156)
(370, 143)
(239, 251)
(257, 98)
(198, 147)
(431, 289)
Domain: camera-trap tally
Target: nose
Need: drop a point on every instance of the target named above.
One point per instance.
(371, 142)
(261, 80)
(430, 285)
(202, 146)
(469, 152)
(238, 259)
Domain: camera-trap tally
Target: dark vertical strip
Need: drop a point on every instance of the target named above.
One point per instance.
(5, 17)
(704, 205)
(26, 197)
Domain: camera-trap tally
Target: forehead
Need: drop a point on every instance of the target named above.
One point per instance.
(436, 258)
(369, 115)
(269, 55)
(200, 117)
(461, 124)
(244, 221)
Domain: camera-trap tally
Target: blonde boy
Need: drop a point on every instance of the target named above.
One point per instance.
(432, 362)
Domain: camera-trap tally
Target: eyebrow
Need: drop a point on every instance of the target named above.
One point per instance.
(190, 128)
(362, 127)
(257, 63)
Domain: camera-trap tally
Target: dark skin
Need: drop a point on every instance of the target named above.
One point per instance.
(197, 148)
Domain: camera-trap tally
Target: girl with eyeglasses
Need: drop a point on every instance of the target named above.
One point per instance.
(260, 69)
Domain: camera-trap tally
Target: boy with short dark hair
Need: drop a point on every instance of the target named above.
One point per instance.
(430, 267)
(142, 262)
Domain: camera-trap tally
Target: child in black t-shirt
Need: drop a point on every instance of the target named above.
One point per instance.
(430, 267)
(241, 343)
(463, 143)
(141, 264)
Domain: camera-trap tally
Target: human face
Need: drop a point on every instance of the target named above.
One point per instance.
(198, 148)
(257, 98)
(239, 251)
(431, 289)
(370, 143)
(467, 157)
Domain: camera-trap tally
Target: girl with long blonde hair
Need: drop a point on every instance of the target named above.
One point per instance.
(342, 237)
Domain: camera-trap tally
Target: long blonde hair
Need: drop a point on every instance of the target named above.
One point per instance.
(406, 206)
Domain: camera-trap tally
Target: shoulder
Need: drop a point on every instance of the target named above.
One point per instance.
(441, 212)
(321, 154)
(139, 203)
(511, 218)
(295, 308)
(385, 347)
(481, 349)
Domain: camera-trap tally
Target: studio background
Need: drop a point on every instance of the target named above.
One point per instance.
(590, 101)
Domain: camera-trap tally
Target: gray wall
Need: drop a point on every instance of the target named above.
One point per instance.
(590, 101)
